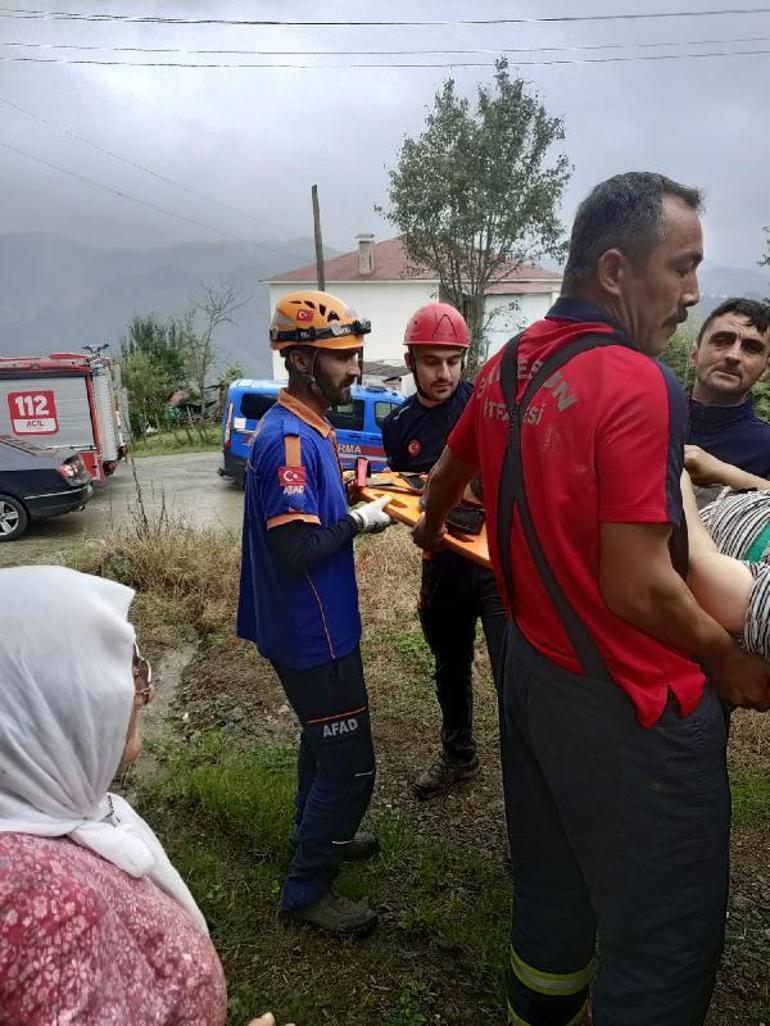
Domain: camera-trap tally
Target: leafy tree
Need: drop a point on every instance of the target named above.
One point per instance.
(476, 195)
(161, 341)
(152, 359)
(158, 357)
(231, 374)
(761, 393)
(149, 386)
(764, 261)
(677, 353)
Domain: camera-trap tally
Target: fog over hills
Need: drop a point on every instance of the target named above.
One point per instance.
(718, 282)
(56, 294)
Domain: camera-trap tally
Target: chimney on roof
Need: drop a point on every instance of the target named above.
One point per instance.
(365, 252)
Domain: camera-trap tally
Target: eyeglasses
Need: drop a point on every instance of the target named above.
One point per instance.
(142, 677)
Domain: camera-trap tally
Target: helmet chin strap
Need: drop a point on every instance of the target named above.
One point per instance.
(413, 369)
(313, 383)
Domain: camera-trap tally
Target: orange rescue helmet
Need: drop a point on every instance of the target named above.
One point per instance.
(318, 319)
(437, 324)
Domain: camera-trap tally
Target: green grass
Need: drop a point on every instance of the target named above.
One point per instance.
(222, 804)
(410, 644)
(751, 797)
(180, 439)
(437, 957)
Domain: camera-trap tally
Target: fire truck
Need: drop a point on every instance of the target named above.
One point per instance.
(67, 400)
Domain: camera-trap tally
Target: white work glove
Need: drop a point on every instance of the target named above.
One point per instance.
(371, 517)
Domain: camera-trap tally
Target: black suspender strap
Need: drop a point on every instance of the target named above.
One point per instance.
(512, 492)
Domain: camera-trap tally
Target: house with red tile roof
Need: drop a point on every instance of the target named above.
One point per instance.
(380, 283)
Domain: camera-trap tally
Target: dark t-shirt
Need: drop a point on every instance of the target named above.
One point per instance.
(734, 434)
(414, 435)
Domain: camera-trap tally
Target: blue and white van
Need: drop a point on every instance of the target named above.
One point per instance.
(356, 425)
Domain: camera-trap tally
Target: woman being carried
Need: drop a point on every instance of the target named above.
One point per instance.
(729, 573)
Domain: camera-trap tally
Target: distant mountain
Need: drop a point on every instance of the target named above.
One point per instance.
(56, 294)
(718, 283)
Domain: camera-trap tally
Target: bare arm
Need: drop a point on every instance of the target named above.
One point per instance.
(640, 585)
(705, 469)
(443, 492)
(721, 585)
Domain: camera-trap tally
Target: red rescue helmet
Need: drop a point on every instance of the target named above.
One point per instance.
(437, 324)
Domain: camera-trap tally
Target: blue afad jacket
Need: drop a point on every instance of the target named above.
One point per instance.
(293, 473)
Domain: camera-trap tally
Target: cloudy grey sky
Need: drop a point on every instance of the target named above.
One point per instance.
(257, 139)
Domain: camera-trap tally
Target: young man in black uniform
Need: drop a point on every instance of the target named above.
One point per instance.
(454, 592)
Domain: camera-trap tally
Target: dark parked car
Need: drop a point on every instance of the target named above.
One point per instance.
(38, 482)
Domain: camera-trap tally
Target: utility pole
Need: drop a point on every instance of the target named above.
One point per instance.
(319, 246)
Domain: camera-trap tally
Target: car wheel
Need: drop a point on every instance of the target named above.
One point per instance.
(13, 518)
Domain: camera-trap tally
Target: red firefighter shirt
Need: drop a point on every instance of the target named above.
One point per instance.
(602, 441)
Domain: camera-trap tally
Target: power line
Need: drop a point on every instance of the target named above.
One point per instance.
(384, 53)
(150, 206)
(122, 195)
(134, 164)
(394, 66)
(25, 13)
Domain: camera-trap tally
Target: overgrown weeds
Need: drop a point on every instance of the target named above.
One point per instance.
(186, 437)
(226, 819)
(222, 801)
(193, 570)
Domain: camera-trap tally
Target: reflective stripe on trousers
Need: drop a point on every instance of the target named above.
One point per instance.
(536, 996)
(577, 1020)
(552, 984)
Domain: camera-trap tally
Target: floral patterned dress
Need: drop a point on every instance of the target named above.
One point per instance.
(84, 944)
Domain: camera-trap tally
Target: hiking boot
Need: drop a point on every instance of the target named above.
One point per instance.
(334, 913)
(363, 846)
(443, 775)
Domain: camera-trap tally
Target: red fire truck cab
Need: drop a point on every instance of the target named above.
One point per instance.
(67, 400)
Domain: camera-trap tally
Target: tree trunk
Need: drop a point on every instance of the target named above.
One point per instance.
(474, 317)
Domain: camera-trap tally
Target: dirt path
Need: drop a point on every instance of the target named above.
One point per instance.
(186, 483)
(157, 725)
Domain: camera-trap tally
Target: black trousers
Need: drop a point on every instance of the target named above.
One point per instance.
(335, 770)
(454, 594)
(614, 831)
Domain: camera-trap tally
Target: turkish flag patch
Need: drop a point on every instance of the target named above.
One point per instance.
(414, 448)
(291, 476)
(304, 315)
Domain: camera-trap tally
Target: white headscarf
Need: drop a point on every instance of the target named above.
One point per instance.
(66, 695)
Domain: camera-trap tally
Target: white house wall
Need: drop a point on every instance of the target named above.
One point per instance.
(504, 321)
(388, 305)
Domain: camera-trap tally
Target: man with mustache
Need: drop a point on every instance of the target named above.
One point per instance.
(613, 743)
(298, 600)
(729, 357)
